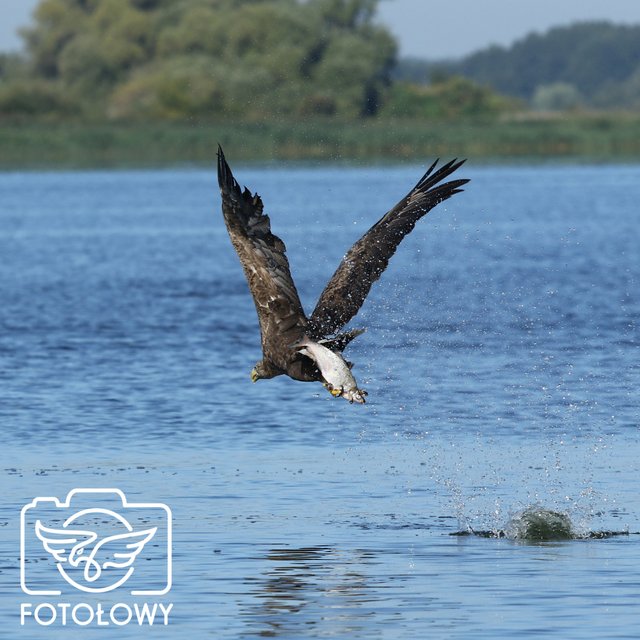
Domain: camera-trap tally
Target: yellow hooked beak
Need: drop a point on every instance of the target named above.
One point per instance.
(254, 375)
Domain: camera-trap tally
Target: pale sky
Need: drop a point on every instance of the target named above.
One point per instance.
(436, 29)
(433, 29)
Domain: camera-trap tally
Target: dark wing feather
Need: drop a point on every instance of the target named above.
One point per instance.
(265, 265)
(368, 257)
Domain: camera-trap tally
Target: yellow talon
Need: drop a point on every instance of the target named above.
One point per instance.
(335, 392)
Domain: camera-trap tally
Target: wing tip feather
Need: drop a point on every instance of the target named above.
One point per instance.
(227, 182)
(430, 179)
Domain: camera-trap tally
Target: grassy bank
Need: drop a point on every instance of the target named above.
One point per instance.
(65, 145)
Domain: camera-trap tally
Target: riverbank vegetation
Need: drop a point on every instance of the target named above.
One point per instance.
(64, 145)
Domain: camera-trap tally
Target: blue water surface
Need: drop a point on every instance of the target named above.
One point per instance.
(501, 359)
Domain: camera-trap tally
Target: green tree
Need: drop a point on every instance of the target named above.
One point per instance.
(616, 94)
(590, 56)
(25, 98)
(213, 58)
(450, 98)
(559, 96)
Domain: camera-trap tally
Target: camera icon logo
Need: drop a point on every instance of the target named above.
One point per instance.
(95, 541)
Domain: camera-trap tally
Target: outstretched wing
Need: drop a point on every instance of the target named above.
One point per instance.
(263, 259)
(368, 257)
(64, 545)
(121, 550)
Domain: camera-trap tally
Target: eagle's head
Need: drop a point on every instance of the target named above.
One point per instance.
(264, 369)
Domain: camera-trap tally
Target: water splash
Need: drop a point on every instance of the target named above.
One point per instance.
(539, 524)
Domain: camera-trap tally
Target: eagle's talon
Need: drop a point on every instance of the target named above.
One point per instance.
(334, 391)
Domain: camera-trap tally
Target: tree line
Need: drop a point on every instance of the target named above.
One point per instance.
(212, 59)
(589, 64)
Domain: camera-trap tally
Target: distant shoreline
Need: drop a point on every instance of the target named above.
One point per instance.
(579, 138)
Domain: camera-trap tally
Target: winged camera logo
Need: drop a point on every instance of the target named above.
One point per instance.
(95, 541)
(95, 548)
(76, 547)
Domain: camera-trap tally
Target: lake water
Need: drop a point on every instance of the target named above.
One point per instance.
(502, 365)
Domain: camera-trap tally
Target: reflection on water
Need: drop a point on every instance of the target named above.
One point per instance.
(324, 587)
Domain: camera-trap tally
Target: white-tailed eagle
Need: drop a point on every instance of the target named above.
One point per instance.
(310, 348)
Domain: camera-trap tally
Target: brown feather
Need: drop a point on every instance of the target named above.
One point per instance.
(367, 259)
(263, 258)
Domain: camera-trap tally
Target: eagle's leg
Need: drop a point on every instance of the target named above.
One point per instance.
(334, 391)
